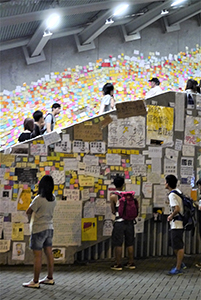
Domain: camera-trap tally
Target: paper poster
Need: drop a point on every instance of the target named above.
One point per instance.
(38, 149)
(155, 152)
(80, 147)
(7, 159)
(160, 123)
(179, 112)
(160, 195)
(86, 180)
(188, 150)
(7, 230)
(64, 146)
(178, 144)
(58, 176)
(137, 159)
(187, 167)
(91, 160)
(139, 170)
(4, 246)
(139, 226)
(85, 194)
(59, 254)
(107, 227)
(89, 209)
(171, 154)
(100, 206)
(17, 231)
(24, 200)
(71, 195)
(88, 132)
(70, 164)
(147, 189)
(170, 167)
(131, 108)
(20, 150)
(113, 159)
(156, 165)
(51, 138)
(127, 133)
(93, 171)
(67, 223)
(97, 147)
(192, 131)
(18, 252)
(89, 229)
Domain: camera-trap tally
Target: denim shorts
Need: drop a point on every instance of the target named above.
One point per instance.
(41, 239)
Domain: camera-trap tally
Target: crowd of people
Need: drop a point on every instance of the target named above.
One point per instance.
(40, 125)
(41, 211)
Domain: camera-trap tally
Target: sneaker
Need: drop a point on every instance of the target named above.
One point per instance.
(174, 271)
(117, 267)
(31, 284)
(130, 266)
(183, 266)
(198, 265)
(46, 280)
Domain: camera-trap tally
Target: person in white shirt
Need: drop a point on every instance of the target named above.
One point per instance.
(155, 88)
(107, 102)
(176, 223)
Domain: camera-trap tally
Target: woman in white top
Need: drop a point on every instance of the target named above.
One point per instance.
(107, 102)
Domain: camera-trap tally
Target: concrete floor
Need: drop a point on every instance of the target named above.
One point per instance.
(95, 280)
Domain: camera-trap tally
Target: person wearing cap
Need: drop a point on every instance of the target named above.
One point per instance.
(155, 88)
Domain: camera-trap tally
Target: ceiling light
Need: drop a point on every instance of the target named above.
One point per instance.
(109, 21)
(52, 21)
(120, 9)
(177, 2)
(164, 12)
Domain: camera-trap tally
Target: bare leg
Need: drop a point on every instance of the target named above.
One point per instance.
(180, 255)
(50, 261)
(118, 255)
(37, 264)
(130, 254)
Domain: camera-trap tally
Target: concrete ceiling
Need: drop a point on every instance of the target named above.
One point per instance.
(22, 22)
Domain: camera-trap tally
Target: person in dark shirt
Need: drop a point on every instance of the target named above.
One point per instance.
(28, 129)
(39, 123)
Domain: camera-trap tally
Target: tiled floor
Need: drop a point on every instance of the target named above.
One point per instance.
(97, 281)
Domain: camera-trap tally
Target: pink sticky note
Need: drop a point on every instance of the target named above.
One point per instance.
(101, 192)
(25, 186)
(71, 186)
(127, 177)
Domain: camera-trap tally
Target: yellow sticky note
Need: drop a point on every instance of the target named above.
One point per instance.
(60, 192)
(25, 159)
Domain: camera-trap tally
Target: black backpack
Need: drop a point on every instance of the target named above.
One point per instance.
(188, 216)
(51, 117)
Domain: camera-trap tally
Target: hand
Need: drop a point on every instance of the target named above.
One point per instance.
(169, 218)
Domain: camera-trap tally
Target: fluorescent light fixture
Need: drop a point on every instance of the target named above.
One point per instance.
(52, 21)
(109, 21)
(177, 2)
(120, 9)
(164, 12)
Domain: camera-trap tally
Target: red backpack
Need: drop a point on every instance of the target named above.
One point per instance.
(128, 206)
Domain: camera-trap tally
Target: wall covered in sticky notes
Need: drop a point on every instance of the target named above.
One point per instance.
(141, 148)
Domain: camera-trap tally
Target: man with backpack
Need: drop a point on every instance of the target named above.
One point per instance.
(123, 225)
(176, 224)
(50, 118)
